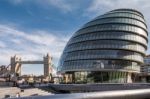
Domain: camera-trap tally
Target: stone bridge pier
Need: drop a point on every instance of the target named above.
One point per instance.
(15, 65)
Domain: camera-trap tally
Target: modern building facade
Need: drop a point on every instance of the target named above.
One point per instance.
(109, 48)
(145, 69)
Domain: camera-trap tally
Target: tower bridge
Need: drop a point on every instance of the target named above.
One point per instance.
(31, 62)
(16, 62)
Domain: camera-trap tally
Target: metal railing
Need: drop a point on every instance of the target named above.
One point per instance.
(120, 94)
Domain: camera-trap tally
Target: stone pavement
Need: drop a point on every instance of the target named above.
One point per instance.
(34, 91)
(8, 91)
(12, 91)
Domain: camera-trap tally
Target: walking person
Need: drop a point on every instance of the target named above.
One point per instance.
(18, 95)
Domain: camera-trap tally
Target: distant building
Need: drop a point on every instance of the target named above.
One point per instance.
(108, 49)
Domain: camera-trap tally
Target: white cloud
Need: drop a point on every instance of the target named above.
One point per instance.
(32, 45)
(61, 4)
(99, 5)
(2, 44)
(16, 41)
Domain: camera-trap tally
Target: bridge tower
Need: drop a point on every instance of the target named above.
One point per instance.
(15, 65)
(47, 65)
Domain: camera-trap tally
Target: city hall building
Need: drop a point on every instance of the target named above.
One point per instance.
(108, 49)
(145, 70)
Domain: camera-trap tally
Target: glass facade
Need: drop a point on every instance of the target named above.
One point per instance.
(113, 27)
(109, 35)
(145, 68)
(110, 48)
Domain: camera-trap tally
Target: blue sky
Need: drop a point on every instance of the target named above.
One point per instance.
(32, 28)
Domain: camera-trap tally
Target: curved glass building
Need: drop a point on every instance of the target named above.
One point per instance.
(109, 48)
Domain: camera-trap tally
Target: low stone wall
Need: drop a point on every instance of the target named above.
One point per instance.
(6, 84)
(96, 87)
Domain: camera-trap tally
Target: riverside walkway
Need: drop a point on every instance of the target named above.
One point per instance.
(120, 94)
(89, 91)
